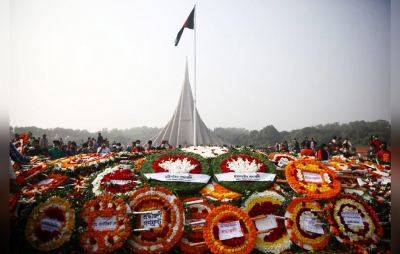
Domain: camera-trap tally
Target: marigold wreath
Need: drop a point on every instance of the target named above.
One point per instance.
(225, 214)
(224, 164)
(50, 224)
(181, 161)
(169, 217)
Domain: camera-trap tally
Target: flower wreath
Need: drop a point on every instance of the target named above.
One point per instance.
(297, 211)
(282, 157)
(359, 236)
(52, 181)
(243, 162)
(23, 176)
(225, 214)
(170, 229)
(324, 184)
(177, 162)
(82, 162)
(197, 211)
(215, 191)
(50, 224)
(115, 181)
(81, 182)
(265, 203)
(106, 225)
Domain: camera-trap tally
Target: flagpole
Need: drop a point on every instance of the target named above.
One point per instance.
(194, 110)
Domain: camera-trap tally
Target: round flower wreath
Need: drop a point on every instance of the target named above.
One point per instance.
(215, 191)
(52, 181)
(50, 224)
(107, 239)
(284, 156)
(296, 212)
(178, 162)
(115, 181)
(170, 230)
(327, 187)
(358, 236)
(225, 214)
(264, 203)
(243, 162)
(197, 211)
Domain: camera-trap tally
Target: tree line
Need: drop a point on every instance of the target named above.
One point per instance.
(358, 133)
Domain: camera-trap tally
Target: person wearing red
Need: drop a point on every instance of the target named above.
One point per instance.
(383, 154)
(377, 142)
(307, 151)
(138, 148)
(323, 153)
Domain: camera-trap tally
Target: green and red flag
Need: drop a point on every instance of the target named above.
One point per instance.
(189, 23)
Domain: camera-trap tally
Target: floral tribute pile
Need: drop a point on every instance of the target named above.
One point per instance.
(162, 225)
(106, 204)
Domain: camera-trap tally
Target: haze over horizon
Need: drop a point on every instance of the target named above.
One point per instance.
(107, 64)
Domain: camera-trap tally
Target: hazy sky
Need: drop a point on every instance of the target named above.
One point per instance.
(112, 64)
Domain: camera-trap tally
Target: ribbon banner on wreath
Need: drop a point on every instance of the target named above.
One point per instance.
(50, 224)
(159, 220)
(241, 171)
(178, 171)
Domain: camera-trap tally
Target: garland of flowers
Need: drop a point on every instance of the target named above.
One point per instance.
(264, 203)
(59, 217)
(243, 162)
(358, 236)
(328, 187)
(170, 230)
(219, 192)
(296, 212)
(82, 162)
(284, 156)
(102, 183)
(176, 161)
(52, 181)
(225, 214)
(96, 240)
(197, 211)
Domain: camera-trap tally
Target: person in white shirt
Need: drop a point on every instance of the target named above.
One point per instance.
(103, 148)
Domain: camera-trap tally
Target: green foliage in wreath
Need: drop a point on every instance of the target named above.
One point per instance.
(241, 187)
(178, 187)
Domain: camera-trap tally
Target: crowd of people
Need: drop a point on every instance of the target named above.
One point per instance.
(59, 149)
(337, 146)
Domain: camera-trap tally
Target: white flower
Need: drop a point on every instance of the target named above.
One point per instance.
(178, 166)
(327, 178)
(299, 175)
(244, 166)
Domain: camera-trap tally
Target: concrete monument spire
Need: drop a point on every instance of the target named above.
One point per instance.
(180, 129)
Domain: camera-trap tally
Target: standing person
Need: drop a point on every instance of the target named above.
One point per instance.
(138, 148)
(55, 152)
(339, 142)
(44, 142)
(333, 144)
(61, 142)
(99, 139)
(103, 148)
(323, 153)
(35, 150)
(90, 148)
(383, 154)
(371, 151)
(313, 144)
(18, 158)
(305, 142)
(296, 145)
(307, 151)
(377, 142)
